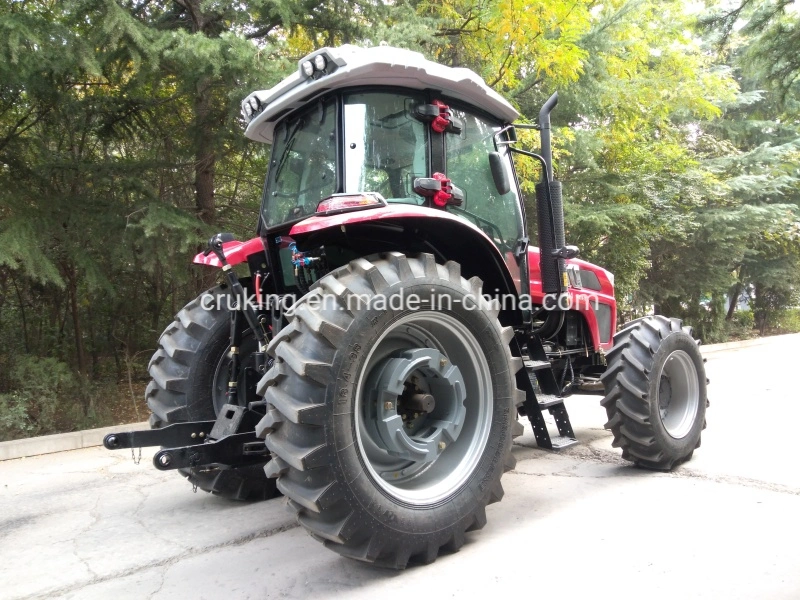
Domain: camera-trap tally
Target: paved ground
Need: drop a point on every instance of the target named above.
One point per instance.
(91, 524)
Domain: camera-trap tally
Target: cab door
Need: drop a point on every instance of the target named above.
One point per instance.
(498, 215)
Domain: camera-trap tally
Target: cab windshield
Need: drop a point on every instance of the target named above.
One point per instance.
(385, 146)
(303, 165)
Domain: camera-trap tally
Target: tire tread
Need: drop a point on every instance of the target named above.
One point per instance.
(302, 461)
(626, 380)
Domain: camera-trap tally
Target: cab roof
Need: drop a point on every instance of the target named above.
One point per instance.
(349, 66)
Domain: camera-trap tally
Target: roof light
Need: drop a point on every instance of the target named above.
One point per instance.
(347, 202)
(308, 68)
(319, 62)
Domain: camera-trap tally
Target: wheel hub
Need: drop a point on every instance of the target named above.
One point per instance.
(419, 404)
(424, 409)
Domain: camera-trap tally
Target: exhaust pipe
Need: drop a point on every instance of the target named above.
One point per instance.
(550, 213)
(544, 128)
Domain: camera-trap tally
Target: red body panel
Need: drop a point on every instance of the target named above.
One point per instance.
(235, 253)
(581, 299)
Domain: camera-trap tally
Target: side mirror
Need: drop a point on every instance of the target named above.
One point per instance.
(499, 173)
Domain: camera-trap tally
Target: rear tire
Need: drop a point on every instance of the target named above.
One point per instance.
(328, 397)
(189, 381)
(655, 393)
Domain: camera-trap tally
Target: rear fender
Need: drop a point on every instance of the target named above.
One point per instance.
(413, 229)
(235, 253)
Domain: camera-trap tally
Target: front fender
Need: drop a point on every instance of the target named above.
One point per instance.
(235, 253)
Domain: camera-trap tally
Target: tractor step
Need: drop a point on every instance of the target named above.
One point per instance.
(548, 400)
(534, 368)
(543, 393)
(536, 365)
(560, 442)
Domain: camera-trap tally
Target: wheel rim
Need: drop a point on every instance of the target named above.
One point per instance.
(417, 450)
(678, 394)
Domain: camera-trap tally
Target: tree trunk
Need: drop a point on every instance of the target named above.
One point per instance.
(95, 370)
(22, 316)
(205, 159)
(734, 300)
(72, 285)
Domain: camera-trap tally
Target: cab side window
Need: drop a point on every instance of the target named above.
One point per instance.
(468, 167)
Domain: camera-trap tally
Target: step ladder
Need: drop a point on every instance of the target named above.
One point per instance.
(541, 380)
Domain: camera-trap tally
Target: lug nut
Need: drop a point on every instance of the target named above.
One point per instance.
(194, 435)
(388, 406)
(443, 362)
(442, 445)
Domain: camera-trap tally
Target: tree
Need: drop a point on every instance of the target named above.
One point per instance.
(760, 40)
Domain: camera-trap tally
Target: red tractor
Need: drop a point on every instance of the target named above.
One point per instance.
(396, 323)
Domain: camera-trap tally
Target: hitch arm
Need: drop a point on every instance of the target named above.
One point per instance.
(179, 434)
(238, 449)
(229, 441)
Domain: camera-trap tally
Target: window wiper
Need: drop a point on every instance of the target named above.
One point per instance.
(290, 141)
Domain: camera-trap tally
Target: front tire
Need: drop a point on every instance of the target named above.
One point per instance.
(189, 381)
(371, 470)
(655, 393)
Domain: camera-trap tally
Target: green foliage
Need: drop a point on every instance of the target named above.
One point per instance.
(770, 30)
(744, 319)
(769, 304)
(741, 327)
(38, 385)
(786, 320)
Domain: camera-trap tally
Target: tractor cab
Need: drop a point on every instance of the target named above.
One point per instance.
(381, 143)
(375, 129)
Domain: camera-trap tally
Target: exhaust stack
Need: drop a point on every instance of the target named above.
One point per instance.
(550, 213)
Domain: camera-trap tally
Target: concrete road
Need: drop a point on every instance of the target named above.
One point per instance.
(91, 524)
